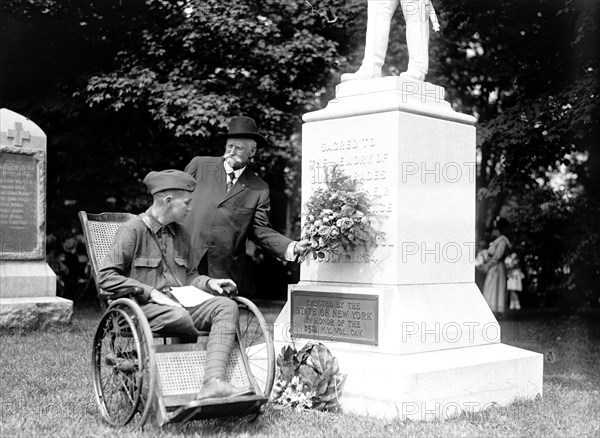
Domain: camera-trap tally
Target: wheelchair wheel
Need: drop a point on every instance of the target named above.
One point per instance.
(124, 365)
(257, 342)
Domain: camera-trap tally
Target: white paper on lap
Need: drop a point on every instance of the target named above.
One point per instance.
(190, 296)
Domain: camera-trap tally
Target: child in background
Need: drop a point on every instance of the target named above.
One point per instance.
(514, 282)
(481, 267)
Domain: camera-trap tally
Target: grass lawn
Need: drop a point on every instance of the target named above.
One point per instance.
(46, 390)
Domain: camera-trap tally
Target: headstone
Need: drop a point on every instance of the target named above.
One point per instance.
(406, 322)
(27, 283)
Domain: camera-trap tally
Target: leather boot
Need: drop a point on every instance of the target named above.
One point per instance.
(218, 388)
(379, 16)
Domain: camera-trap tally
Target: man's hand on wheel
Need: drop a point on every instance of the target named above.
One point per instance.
(222, 286)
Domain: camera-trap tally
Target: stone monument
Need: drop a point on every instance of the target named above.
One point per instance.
(407, 323)
(417, 15)
(27, 284)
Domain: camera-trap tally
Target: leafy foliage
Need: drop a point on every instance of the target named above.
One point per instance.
(132, 86)
(308, 378)
(123, 87)
(529, 72)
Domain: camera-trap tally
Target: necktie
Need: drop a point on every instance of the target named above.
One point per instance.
(230, 178)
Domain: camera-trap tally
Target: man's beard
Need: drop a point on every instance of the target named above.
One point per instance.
(231, 160)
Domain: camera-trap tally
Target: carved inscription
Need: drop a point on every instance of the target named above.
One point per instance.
(18, 203)
(351, 318)
(348, 144)
(359, 158)
(362, 168)
(368, 163)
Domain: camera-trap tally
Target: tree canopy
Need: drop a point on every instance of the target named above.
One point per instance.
(529, 72)
(125, 86)
(128, 86)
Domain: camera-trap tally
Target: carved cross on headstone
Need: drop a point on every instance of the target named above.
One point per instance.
(18, 134)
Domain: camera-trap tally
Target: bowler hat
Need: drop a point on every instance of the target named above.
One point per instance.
(170, 179)
(244, 127)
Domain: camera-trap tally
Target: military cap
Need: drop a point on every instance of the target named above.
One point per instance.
(170, 179)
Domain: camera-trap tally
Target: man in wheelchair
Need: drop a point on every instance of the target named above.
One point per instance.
(153, 252)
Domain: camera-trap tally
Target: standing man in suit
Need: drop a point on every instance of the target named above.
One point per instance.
(231, 204)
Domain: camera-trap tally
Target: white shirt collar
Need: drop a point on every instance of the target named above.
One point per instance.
(229, 169)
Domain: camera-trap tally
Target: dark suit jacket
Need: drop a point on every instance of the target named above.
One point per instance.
(221, 222)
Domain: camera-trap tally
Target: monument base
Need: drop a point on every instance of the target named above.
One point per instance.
(425, 365)
(30, 313)
(26, 279)
(436, 385)
(28, 298)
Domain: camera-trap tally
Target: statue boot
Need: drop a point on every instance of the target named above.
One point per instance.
(379, 17)
(416, 15)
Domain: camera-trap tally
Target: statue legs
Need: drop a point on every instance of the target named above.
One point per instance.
(417, 37)
(417, 14)
(379, 16)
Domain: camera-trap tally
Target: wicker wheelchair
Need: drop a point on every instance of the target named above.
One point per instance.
(136, 372)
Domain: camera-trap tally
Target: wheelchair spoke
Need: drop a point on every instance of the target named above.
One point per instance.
(254, 352)
(255, 337)
(143, 376)
(250, 330)
(117, 396)
(117, 365)
(256, 365)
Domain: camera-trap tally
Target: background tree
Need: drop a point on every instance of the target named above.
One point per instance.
(529, 72)
(122, 87)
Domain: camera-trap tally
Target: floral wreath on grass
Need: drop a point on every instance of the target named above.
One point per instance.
(338, 219)
(308, 379)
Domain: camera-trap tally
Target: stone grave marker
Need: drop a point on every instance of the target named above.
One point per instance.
(27, 284)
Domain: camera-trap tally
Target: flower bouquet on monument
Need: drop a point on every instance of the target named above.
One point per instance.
(308, 379)
(338, 222)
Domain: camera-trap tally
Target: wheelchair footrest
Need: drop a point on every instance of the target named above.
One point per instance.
(218, 407)
(181, 371)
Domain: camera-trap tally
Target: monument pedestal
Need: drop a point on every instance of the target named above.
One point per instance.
(438, 384)
(438, 350)
(406, 322)
(27, 284)
(32, 313)
(28, 296)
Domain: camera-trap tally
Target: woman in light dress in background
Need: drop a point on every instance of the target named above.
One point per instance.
(494, 287)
